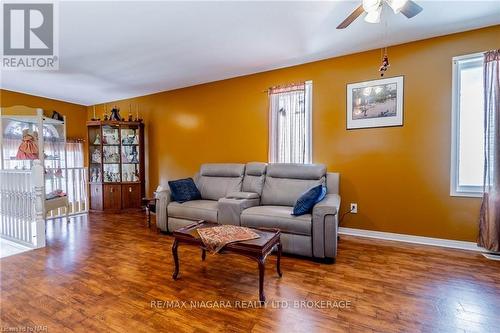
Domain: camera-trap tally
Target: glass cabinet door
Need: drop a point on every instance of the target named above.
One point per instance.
(130, 152)
(94, 135)
(95, 154)
(112, 173)
(111, 153)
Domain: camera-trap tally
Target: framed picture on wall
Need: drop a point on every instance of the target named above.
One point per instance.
(377, 103)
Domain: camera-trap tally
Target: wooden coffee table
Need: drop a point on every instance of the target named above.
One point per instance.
(257, 249)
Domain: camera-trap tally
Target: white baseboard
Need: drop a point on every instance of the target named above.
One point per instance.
(449, 243)
(492, 256)
(14, 244)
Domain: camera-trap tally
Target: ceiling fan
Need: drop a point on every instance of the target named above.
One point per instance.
(373, 9)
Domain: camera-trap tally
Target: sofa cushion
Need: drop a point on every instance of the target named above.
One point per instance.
(276, 217)
(285, 192)
(285, 183)
(255, 173)
(253, 184)
(255, 168)
(184, 190)
(296, 171)
(222, 169)
(215, 188)
(196, 210)
(308, 199)
(216, 180)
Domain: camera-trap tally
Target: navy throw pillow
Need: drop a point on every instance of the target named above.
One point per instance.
(322, 195)
(184, 190)
(308, 199)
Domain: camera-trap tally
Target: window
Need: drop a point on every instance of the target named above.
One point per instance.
(290, 123)
(467, 160)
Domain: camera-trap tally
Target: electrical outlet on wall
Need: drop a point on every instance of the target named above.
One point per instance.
(354, 208)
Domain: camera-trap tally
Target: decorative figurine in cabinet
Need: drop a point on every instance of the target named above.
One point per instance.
(116, 164)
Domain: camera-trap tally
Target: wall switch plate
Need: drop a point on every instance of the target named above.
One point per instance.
(354, 208)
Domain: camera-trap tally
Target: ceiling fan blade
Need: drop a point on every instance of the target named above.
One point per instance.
(411, 9)
(354, 15)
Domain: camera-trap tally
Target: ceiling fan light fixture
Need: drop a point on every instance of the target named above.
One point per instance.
(396, 5)
(370, 6)
(374, 16)
(374, 8)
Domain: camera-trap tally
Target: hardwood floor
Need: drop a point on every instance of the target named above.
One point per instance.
(102, 275)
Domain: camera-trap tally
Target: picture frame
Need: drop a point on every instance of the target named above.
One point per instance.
(375, 103)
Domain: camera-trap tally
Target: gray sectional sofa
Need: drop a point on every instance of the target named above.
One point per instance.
(261, 195)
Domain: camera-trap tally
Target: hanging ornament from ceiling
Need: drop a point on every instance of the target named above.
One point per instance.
(385, 62)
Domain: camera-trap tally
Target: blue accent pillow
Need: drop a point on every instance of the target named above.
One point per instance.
(308, 199)
(322, 195)
(184, 190)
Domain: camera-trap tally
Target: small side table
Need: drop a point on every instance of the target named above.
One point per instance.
(150, 204)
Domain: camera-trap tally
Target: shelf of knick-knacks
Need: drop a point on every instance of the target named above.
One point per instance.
(116, 164)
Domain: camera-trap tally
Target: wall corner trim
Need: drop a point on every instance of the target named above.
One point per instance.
(449, 243)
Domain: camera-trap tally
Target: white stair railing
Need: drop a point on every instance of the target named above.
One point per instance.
(77, 190)
(22, 202)
(77, 194)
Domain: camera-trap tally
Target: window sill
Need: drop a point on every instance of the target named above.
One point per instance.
(467, 194)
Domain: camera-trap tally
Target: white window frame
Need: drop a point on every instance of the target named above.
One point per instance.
(272, 147)
(309, 107)
(455, 188)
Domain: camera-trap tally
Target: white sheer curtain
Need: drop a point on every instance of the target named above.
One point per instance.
(10, 147)
(290, 123)
(74, 153)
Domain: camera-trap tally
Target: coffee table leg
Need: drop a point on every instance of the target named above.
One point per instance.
(278, 261)
(262, 268)
(203, 254)
(176, 259)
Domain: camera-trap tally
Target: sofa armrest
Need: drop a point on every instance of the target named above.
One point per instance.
(325, 225)
(229, 209)
(330, 205)
(163, 198)
(242, 195)
(332, 182)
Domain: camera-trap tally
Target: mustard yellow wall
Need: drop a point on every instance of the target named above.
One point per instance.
(398, 176)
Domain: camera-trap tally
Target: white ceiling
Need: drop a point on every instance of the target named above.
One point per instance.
(116, 50)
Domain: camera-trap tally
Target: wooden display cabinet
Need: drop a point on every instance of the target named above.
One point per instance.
(116, 165)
